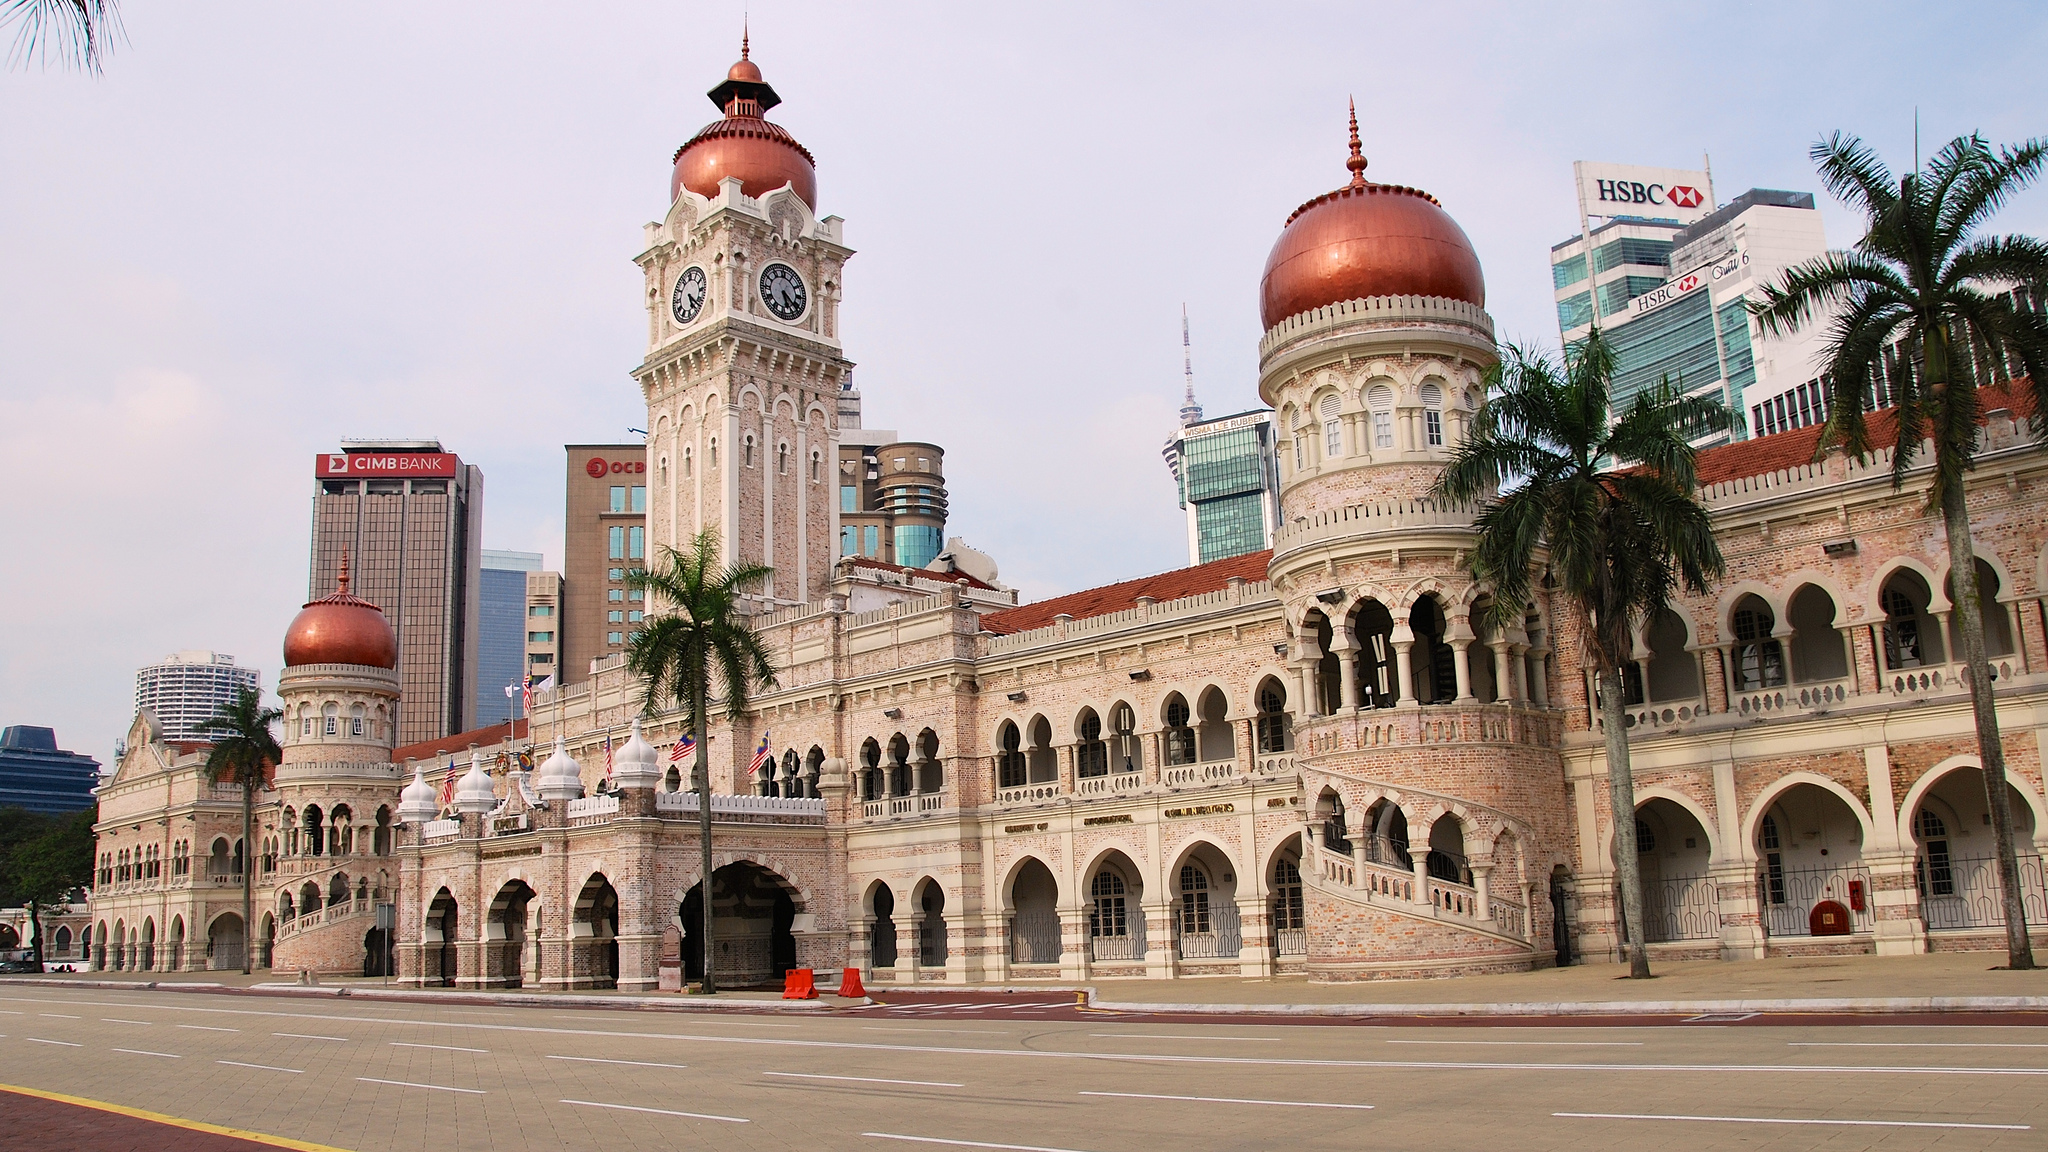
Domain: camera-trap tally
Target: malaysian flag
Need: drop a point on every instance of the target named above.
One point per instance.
(760, 755)
(532, 686)
(685, 745)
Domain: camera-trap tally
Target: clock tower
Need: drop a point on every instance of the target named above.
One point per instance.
(744, 363)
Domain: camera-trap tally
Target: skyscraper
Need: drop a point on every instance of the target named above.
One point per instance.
(604, 540)
(185, 689)
(1226, 474)
(501, 630)
(408, 517)
(1670, 279)
(37, 775)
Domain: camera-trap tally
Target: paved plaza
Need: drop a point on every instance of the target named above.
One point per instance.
(1019, 1070)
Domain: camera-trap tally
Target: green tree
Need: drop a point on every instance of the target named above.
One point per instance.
(1612, 508)
(244, 754)
(77, 32)
(1927, 280)
(697, 640)
(43, 870)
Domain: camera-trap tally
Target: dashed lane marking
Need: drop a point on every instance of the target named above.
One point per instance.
(1796, 1120)
(865, 1079)
(1229, 1100)
(411, 1084)
(56, 1016)
(140, 1052)
(207, 1028)
(261, 1067)
(963, 1143)
(310, 1036)
(40, 1040)
(1535, 1043)
(938, 1031)
(441, 1047)
(660, 1111)
(115, 1020)
(602, 1060)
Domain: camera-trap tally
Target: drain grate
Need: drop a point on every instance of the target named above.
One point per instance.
(1720, 1017)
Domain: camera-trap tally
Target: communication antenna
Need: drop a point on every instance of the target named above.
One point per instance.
(1190, 412)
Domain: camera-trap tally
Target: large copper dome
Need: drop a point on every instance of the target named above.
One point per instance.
(743, 144)
(1366, 240)
(340, 629)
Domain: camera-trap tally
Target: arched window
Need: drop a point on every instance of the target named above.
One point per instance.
(1774, 860)
(1194, 900)
(1934, 870)
(356, 716)
(782, 459)
(1759, 658)
(817, 466)
(1333, 428)
(1433, 414)
(330, 720)
(747, 451)
(713, 457)
(1379, 399)
(1272, 718)
(1911, 639)
(688, 461)
(1335, 837)
(1300, 435)
(1106, 916)
(1009, 757)
(870, 770)
(1091, 755)
(1287, 910)
(1646, 840)
(1123, 721)
(1180, 735)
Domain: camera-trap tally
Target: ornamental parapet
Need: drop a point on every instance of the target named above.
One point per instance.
(1367, 520)
(1369, 729)
(1377, 312)
(1239, 595)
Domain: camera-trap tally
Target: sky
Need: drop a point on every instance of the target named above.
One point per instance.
(269, 227)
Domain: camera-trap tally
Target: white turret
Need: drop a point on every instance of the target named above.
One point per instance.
(561, 777)
(418, 803)
(638, 764)
(473, 793)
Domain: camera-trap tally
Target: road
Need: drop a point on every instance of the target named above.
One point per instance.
(1011, 1072)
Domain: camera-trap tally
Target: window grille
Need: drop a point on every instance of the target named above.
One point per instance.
(1194, 901)
(1091, 755)
(1272, 722)
(1180, 738)
(1107, 915)
(1287, 909)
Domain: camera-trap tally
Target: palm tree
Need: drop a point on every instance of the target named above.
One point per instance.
(695, 634)
(77, 32)
(1926, 281)
(244, 754)
(1614, 504)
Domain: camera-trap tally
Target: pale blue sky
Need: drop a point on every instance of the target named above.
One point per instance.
(267, 227)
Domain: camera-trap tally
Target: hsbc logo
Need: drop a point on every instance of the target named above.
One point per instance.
(1637, 192)
(1665, 293)
(598, 467)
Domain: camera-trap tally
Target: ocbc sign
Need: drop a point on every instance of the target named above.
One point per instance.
(599, 467)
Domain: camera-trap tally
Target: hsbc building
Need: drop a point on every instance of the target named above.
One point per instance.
(1667, 274)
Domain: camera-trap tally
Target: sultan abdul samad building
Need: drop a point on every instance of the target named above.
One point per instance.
(1317, 759)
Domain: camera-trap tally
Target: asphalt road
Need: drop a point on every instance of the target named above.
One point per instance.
(1016, 1072)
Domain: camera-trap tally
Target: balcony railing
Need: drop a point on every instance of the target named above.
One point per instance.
(1199, 775)
(1028, 793)
(1818, 696)
(589, 810)
(1112, 784)
(440, 829)
(916, 804)
(743, 806)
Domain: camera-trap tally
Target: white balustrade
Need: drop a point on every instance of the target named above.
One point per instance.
(741, 805)
(440, 829)
(592, 810)
(1028, 793)
(1109, 785)
(1200, 775)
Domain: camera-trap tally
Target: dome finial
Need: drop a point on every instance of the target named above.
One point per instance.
(743, 35)
(344, 570)
(1357, 161)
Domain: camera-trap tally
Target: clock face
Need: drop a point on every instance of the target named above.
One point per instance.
(782, 290)
(688, 299)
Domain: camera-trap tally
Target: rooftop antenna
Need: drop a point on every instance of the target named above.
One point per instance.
(1190, 412)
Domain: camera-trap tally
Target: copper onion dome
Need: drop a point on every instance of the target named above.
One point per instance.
(761, 154)
(1367, 239)
(340, 629)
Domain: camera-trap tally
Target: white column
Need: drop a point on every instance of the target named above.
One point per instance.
(1406, 675)
(1461, 658)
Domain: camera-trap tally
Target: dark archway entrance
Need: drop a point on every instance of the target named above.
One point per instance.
(594, 935)
(438, 958)
(753, 910)
(505, 961)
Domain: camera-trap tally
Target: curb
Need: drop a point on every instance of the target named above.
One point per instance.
(1890, 1006)
(503, 998)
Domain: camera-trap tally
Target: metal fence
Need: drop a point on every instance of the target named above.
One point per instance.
(1681, 908)
(1130, 946)
(1291, 941)
(1964, 892)
(1223, 940)
(1788, 896)
(1035, 938)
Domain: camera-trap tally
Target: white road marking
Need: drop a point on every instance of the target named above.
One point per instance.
(56, 1016)
(865, 1079)
(1898, 1044)
(1790, 1120)
(1227, 1100)
(602, 1060)
(1172, 1036)
(40, 1040)
(963, 1143)
(750, 1024)
(1535, 1043)
(661, 1111)
(261, 1067)
(441, 1047)
(207, 1028)
(410, 1084)
(308, 1036)
(140, 1052)
(113, 1020)
(947, 1031)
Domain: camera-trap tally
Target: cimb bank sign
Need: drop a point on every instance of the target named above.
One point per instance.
(1656, 193)
(349, 465)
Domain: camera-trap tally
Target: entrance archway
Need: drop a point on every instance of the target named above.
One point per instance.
(1034, 914)
(225, 943)
(438, 940)
(1680, 901)
(505, 933)
(1956, 866)
(752, 912)
(594, 935)
(1809, 843)
(882, 933)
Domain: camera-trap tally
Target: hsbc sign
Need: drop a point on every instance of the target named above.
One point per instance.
(1665, 293)
(1628, 190)
(351, 465)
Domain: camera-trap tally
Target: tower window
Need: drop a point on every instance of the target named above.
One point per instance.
(782, 459)
(747, 452)
(817, 466)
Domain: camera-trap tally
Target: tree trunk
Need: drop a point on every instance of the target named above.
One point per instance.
(1621, 796)
(35, 929)
(1969, 618)
(703, 784)
(248, 873)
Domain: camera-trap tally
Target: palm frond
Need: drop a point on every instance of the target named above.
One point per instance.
(75, 32)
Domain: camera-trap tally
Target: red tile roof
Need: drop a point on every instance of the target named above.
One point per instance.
(1174, 585)
(460, 742)
(1782, 450)
(925, 573)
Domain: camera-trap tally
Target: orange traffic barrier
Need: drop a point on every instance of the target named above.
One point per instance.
(849, 983)
(797, 985)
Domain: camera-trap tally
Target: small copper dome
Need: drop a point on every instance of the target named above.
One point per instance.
(762, 155)
(1366, 240)
(340, 629)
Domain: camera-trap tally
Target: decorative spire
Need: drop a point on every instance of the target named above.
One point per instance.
(1190, 412)
(743, 35)
(1357, 161)
(344, 570)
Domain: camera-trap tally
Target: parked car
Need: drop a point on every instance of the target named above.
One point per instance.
(11, 965)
